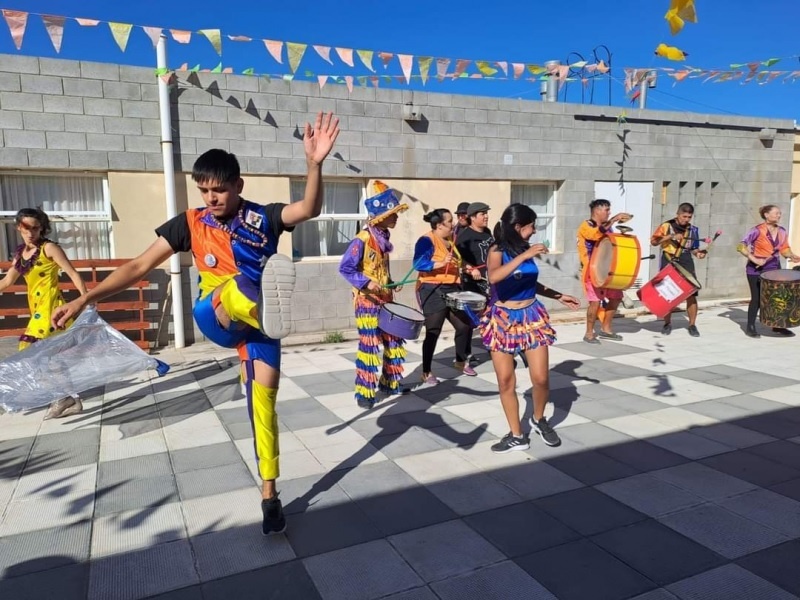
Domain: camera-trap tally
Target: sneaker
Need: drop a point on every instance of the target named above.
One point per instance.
(751, 332)
(72, 409)
(609, 336)
(666, 329)
(275, 300)
(274, 521)
(693, 331)
(545, 431)
(783, 331)
(590, 340)
(365, 404)
(58, 408)
(509, 443)
(431, 379)
(466, 369)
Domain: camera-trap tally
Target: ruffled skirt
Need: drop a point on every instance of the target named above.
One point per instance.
(515, 330)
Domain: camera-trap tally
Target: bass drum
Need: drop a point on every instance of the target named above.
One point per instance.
(615, 261)
(780, 298)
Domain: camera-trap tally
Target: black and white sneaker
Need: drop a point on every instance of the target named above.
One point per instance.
(545, 431)
(274, 521)
(509, 443)
(275, 300)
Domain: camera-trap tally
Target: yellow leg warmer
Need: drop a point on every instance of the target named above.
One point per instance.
(238, 306)
(265, 428)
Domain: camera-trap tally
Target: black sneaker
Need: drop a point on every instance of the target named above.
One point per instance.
(274, 521)
(547, 433)
(667, 329)
(693, 331)
(783, 331)
(365, 404)
(509, 443)
(752, 332)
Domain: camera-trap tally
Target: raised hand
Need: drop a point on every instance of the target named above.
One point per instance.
(318, 141)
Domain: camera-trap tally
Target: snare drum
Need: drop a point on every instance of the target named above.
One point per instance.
(465, 300)
(780, 298)
(400, 321)
(672, 285)
(615, 261)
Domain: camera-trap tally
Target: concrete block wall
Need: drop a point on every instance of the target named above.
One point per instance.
(66, 115)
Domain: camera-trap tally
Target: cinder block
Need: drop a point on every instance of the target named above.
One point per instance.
(20, 64)
(123, 126)
(242, 83)
(86, 88)
(60, 140)
(82, 123)
(260, 132)
(263, 102)
(426, 142)
(292, 104)
(141, 143)
(20, 138)
(81, 159)
(126, 161)
(378, 139)
(9, 82)
(361, 123)
(105, 142)
(381, 109)
(242, 116)
(351, 107)
(153, 161)
(13, 157)
(41, 84)
(242, 148)
(43, 121)
(104, 71)
(308, 326)
(48, 159)
(440, 156)
(277, 150)
(153, 127)
(136, 74)
(361, 153)
(102, 107)
(210, 144)
(266, 166)
(63, 105)
(227, 131)
(210, 114)
(143, 110)
(191, 129)
(19, 101)
(10, 119)
(454, 114)
(122, 90)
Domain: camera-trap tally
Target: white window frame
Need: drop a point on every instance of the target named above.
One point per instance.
(553, 237)
(104, 216)
(360, 216)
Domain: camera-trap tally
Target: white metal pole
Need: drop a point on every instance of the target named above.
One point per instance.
(169, 189)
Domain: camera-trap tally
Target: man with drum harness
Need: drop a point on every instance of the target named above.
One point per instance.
(590, 233)
(680, 241)
(365, 265)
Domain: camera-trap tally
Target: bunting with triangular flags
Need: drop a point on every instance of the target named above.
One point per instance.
(17, 21)
(55, 29)
(121, 33)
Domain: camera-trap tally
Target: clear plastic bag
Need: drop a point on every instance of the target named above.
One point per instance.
(89, 354)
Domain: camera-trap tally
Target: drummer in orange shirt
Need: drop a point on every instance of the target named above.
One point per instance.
(590, 232)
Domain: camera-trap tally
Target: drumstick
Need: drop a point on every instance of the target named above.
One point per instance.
(712, 240)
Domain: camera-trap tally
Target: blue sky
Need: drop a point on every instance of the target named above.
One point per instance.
(729, 31)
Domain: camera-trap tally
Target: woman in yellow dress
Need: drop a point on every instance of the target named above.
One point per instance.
(38, 260)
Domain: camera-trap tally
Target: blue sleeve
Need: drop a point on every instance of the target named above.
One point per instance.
(423, 255)
(695, 238)
(348, 266)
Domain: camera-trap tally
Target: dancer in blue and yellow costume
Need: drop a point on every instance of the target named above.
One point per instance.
(365, 265)
(38, 260)
(245, 286)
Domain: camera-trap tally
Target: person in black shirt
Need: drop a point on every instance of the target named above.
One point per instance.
(245, 286)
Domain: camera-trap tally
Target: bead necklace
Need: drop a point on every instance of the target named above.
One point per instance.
(23, 265)
(257, 232)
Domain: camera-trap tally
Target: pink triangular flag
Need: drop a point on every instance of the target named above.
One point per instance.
(375, 81)
(325, 54)
(441, 67)
(153, 33)
(346, 55)
(88, 22)
(167, 77)
(275, 49)
(121, 33)
(406, 63)
(386, 58)
(183, 67)
(227, 70)
(17, 21)
(348, 79)
(519, 68)
(461, 65)
(55, 29)
(503, 66)
(323, 79)
(181, 36)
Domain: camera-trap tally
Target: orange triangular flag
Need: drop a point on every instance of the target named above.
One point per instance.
(215, 37)
(324, 53)
(55, 29)
(17, 21)
(346, 54)
(121, 33)
(275, 49)
(88, 22)
(601, 67)
(441, 67)
(167, 77)
(406, 63)
(348, 79)
(323, 79)
(366, 58)
(518, 69)
(153, 33)
(386, 58)
(181, 36)
(296, 52)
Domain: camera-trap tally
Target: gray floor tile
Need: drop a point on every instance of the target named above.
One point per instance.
(594, 435)
(71, 581)
(690, 445)
(752, 468)
(535, 479)
(285, 581)
(168, 567)
(581, 570)
(445, 550)
(194, 592)
(768, 508)
(460, 435)
(304, 420)
(730, 582)
(597, 410)
(649, 495)
(521, 529)
(420, 593)
(366, 571)
(790, 489)
(44, 549)
(216, 480)
(205, 457)
(656, 594)
(129, 469)
(504, 580)
(782, 452)
(716, 409)
(473, 493)
(234, 415)
(413, 441)
(53, 442)
(775, 425)
(643, 455)
(222, 553)
(135, 494)
(777, 565)
(589, 511)
(68, 456)
(731, 435)
(314, 492)
(239, 431)
(753, 382)
(602, 350)
(724, 532)
(657, 552)
(328, 529)
(299, 405)
(591, 467)
(175, 407)
(704, 481)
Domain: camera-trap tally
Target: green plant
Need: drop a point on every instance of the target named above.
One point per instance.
(333, 337)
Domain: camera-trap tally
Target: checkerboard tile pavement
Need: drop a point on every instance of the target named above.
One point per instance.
(678, 477)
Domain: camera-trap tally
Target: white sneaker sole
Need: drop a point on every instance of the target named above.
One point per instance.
(277, 285)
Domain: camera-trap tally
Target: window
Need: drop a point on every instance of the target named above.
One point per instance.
(78, 206)
(541, 197)
(331, 232)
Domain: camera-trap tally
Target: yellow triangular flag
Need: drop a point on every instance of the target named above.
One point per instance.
(215, 37)
(121, 33)
(296, 52)
(483, 67)
(366, 58)
(424, 67)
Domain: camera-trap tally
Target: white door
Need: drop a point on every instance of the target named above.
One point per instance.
(636, 198)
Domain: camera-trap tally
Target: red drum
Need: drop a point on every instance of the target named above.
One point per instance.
(668, 289)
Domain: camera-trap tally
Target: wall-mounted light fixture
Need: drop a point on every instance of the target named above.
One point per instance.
(411, 112)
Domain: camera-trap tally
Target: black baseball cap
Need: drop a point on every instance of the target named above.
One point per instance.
(477, 207)
(462, 208)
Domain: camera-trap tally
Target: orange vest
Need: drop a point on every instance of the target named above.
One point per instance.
(450, 273)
